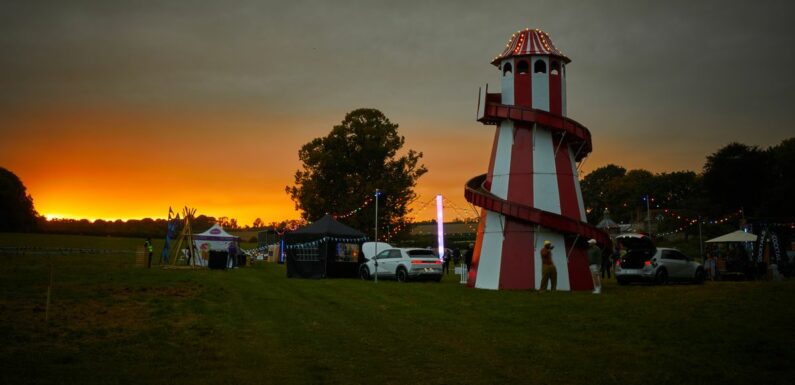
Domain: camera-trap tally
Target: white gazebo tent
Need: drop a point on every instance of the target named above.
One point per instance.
(735, 236)
(215, 238)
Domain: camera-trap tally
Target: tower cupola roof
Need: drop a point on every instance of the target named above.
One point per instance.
(529, 42)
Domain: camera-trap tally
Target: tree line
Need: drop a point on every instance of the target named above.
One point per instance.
(146, 227)
(760, 182)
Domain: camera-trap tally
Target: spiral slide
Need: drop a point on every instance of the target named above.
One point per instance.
(531, 194)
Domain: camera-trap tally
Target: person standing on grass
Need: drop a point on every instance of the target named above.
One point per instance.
(232, 251)
(548, 271)
(468, 255)
(607, 264)
(711, 266)
(595, 263)
(149, 249)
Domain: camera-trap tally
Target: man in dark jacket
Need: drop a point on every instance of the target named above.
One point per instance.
(468, 255)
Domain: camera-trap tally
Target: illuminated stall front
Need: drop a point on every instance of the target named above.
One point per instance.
(324, 249)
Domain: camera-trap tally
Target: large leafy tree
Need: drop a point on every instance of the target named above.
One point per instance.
(341, 172)
(738, 176)
(596, 191)
(782, 180)
(622, 193)
(16, 205)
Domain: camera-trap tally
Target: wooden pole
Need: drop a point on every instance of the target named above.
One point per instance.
(49, 292)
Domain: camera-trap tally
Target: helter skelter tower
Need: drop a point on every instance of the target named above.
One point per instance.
(531, 192)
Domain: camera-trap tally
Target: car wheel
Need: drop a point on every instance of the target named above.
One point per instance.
(364, 273)
(700, 276)
(622, 281)
(661, 278)
(438, 279)
(402, 275)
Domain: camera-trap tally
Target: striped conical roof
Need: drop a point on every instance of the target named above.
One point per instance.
(529, 42)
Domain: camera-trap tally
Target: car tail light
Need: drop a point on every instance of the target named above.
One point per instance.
(647, 263)
(618, 262)
(418, 262)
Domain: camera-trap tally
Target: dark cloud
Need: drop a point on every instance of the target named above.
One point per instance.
(641, 70)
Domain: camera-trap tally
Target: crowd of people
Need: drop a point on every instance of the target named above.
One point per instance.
(457, 257)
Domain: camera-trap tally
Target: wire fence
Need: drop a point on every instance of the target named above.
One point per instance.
(35, 250)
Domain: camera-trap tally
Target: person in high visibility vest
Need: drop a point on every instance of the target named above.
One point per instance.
(149, 249)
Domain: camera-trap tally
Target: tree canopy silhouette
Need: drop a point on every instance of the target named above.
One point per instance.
(341, 172)
(16, 205)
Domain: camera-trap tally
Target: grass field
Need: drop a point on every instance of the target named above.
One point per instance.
(113, 323)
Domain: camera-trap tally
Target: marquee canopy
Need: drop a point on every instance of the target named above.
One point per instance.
(214, 239)
(736, 236)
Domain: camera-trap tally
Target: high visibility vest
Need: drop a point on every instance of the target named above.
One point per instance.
(149, 247)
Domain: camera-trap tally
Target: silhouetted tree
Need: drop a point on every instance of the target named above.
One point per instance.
(782, 180)
(16, 205)
(342, 170)
(737, 176)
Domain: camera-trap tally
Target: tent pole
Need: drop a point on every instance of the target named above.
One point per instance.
(700, 241)
(376, 237)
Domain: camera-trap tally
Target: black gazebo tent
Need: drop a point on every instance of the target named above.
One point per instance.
(326, 248)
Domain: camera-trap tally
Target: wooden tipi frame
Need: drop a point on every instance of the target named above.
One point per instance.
(186, 235)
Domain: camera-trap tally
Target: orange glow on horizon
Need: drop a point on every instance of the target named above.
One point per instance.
(132, 165)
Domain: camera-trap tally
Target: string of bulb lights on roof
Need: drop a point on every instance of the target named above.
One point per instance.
(318, 242)
(310, 244)
(523, 36)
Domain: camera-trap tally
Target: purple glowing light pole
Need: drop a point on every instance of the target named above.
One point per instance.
(440, 226)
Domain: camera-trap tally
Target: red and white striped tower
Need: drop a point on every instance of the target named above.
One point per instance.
(531, 192)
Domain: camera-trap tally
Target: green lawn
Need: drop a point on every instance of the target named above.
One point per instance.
(111, 322)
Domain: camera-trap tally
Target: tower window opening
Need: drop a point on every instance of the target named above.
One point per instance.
(522, 67)
(555, 68)
(507, 68)
(539, 67)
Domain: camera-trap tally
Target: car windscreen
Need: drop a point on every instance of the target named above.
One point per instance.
(421, 254)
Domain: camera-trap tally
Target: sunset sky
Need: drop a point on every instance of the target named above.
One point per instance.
(115, 109)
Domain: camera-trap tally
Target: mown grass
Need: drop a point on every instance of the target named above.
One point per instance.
(113, 323)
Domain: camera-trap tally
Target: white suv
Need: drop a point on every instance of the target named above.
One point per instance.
(403, 264)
